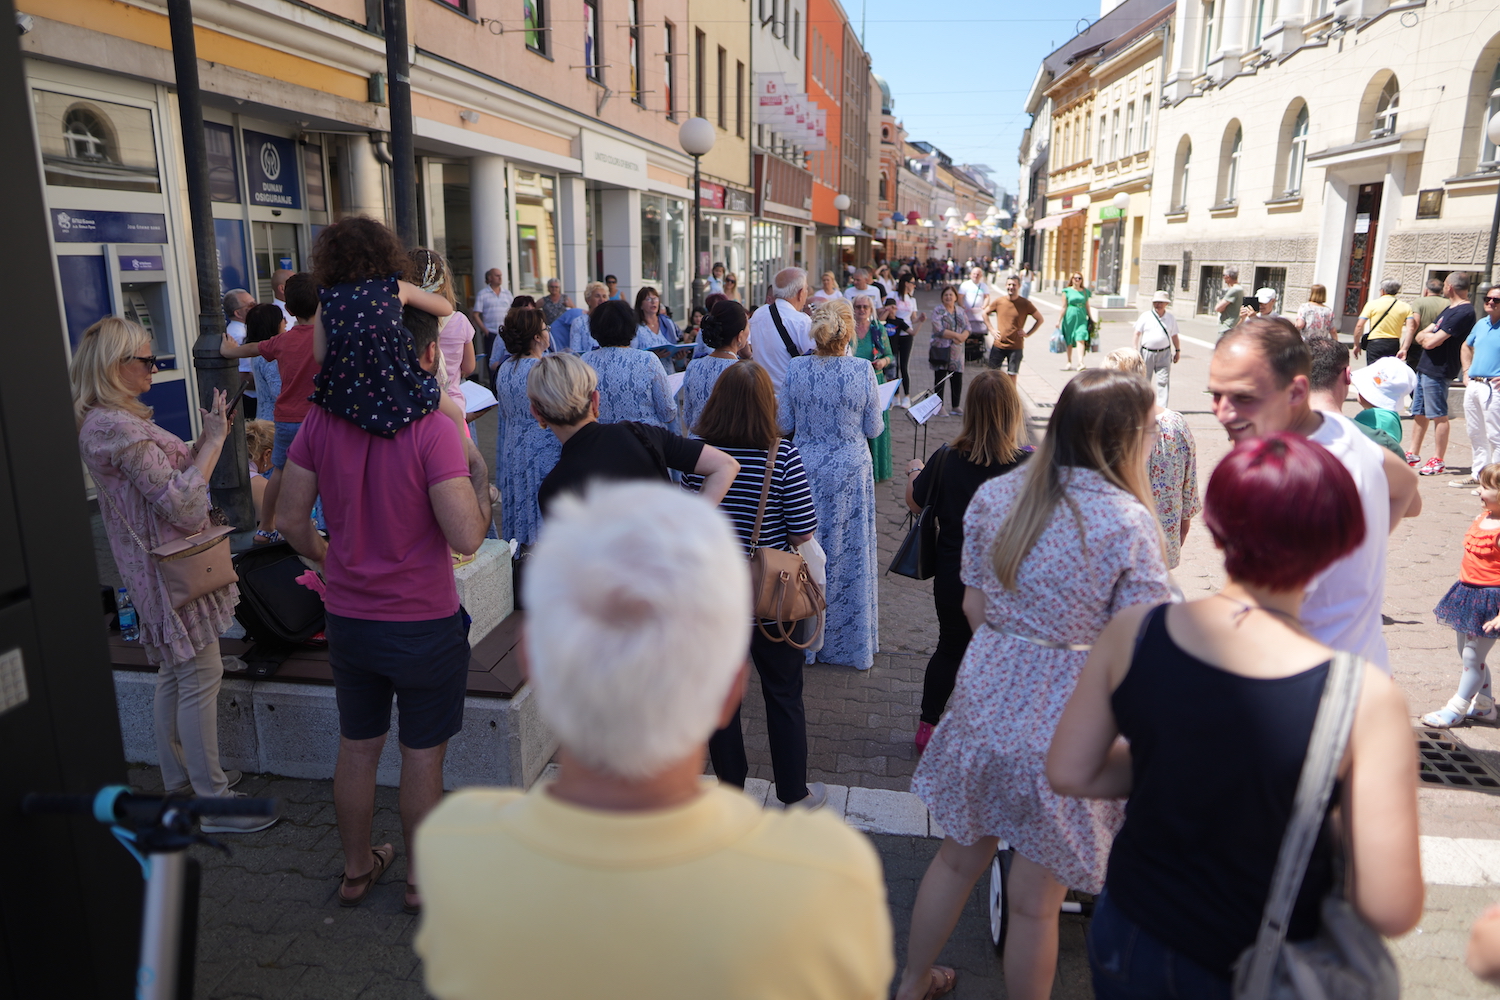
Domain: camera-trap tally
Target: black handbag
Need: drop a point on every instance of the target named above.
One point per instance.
(917, 556)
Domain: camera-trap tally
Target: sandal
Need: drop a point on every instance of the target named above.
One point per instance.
(381, 857)
(943, 981)
(412, 909)
(1449, 715)
(267, 538)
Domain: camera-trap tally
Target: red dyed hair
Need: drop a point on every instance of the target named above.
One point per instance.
(1282, 508)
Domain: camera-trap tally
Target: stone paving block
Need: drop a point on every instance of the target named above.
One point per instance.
(880, 811)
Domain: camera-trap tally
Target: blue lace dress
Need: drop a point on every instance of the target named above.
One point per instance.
(524, 454)
(834, 408)
(632, 386)
(702, 374)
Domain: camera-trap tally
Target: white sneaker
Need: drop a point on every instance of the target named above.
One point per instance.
(237, 824)
(817, 797)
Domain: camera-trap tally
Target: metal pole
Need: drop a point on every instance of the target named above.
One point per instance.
(697, 233)
(1489, 269)
(398, 94)
(161, 926)
(230, 482)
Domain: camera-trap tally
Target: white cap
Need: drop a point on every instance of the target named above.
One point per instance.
(1385, 383)
(1162, 297)
(1265, 295)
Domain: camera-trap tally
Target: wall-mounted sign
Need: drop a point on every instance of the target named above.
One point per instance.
(711, 195)
(1110, 212)
(612, 161)
(71, 225)
(271, 169)
(738, 201)
(142, 263)
(1067, 201)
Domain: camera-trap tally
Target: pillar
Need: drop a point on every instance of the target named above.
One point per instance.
(363, 179)
(619, 233)
(573, 237)
(1186, 36)
(1225, 60)
(491, 221)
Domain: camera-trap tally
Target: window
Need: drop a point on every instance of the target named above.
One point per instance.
(1208, 36)
(99, 144)
(723, 94)
(1099, 157)
(1114, 134)
(669, 73)
(1180, 187)
(534, 23)
(698, 71)
(1232, 167)
(1146, 122)
(883, 188)
(1067, 144)
(1491, 110)
(1297, 155)
(593, 58)
(1083, 149)
(637, 67)
(1386, 107)
(797, 33)
(1259, 26)
(223, 165)
(1129, 128)
(739, 99)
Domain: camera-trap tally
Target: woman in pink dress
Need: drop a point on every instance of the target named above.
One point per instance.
(1051, 552)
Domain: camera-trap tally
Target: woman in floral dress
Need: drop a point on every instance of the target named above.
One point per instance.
(726, 329)
(830, 401)
(525, 451)
(1051, 552)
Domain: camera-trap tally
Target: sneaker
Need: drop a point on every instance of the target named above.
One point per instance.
(817, 797)
(924, 735)
(237, 824)
(1413, 460)
(1433, 467)
(955, 412)
(1466, 483)
(232, 776)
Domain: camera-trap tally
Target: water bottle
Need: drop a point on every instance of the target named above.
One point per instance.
(130, 626)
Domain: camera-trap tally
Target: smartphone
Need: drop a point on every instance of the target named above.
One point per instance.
(234, 401)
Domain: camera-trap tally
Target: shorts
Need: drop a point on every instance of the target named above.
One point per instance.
(1009, 357)
(1432, 393)
(425, 664)
(286, 433)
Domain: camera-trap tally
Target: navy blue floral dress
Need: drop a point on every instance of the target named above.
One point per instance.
(524, 453)
(370, 375)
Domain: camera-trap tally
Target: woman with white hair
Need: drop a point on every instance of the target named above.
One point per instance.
(832, 404)
(153, 489)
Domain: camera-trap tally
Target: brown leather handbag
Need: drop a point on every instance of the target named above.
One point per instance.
(189, 567)
(781, 586)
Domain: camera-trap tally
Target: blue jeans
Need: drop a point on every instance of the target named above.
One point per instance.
(1128, 964)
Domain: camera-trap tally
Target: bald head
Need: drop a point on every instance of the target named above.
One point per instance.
(278, 284)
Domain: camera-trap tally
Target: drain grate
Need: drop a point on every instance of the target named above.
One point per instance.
(1444, 762)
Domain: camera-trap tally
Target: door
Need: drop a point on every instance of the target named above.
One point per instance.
(275, 250)
(1210, 289)
(1362, 248)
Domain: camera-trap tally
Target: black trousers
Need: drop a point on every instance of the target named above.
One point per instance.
(901, 345)
(779, 665)
(1381, 347)
(953, 640)
(955, 384)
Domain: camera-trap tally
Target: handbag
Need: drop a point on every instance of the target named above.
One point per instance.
(189, 567)
(917, 556)
(781, 585)
(1347, 960)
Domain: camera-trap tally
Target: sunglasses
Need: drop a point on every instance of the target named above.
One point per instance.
(149, 359)
(1491, 300)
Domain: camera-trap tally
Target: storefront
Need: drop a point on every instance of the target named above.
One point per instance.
(726, 232)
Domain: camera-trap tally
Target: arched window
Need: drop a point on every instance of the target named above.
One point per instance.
(882, 187)
(1230, 166)
(1386, 107)
(1297, 155)
(88, 135)
(1491, 154)
(1180, 185)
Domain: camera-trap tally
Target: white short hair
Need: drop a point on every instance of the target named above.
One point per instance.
(788, 282)
(638, 620)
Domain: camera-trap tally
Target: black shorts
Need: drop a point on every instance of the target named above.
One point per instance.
(1008, 357)
(425, 664)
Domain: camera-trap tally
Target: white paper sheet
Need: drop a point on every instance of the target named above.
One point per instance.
(888, 393)
(925, 410)
(674, 382)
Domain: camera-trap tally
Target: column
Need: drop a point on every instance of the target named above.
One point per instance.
(619, 234)
(573, 237)
(1177, 82)
(1286, 34)
(365, 179)
(1225, 60)
(1330, 267)
(487, 212)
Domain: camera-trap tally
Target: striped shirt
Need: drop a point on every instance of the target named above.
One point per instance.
(789, 508)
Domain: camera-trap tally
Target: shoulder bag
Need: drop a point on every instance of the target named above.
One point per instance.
(917, 556)
(1364, 341)
(786, 338)
(781, 585)
(189, 567)
(940, 348)
(1347, 960)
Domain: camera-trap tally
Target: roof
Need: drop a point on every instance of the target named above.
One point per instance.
(886, 102)
(1118, 23)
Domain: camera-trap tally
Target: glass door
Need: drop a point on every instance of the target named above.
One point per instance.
(276, 249)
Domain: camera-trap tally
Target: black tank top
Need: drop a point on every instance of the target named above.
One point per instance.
(1215, 761)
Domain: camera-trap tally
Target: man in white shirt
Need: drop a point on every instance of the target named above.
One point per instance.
(492, 303)
(1259, 378)
(975, 293)
(1157, 339)
(278, 295)
(788, 296)
(237, 303)
(860, 285)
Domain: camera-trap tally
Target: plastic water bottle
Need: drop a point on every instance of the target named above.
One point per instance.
(130, 626)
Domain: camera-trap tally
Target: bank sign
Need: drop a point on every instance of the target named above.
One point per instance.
(271, 168)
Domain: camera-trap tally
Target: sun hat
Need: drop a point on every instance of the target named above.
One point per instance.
(1162, 297)
(1385, 383)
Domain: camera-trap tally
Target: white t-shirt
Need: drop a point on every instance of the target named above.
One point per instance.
(905, 306)
(1342, 608)
(765, 341)
(974, 296)
(235, 331)
(822, 296)
(1153, 335)
(851, 293)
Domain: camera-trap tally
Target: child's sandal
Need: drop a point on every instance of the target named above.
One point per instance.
(1449, 715)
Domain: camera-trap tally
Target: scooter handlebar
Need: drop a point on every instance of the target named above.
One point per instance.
(117, 804)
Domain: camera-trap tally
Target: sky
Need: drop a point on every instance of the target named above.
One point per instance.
(959, 72)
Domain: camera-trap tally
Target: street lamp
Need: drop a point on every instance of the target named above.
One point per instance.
(696, 138)
(1493, 131)
(841, 204)
(1121, 202)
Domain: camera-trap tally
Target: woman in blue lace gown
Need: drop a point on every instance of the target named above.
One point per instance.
(632, 385)
(726, 329)
(525, 451)
(831, 403)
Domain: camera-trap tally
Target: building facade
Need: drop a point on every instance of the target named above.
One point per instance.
(783, 226)
(721, 84)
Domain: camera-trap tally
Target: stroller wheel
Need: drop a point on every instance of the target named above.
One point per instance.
(999, 898)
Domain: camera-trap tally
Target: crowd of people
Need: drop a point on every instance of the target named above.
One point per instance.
(644, 495)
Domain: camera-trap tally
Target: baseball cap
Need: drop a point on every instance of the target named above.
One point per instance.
(1385, 383)
(1265, 295)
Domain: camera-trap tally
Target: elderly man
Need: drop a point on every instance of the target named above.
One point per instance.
(580, 341)
(1158, 340)
(1259, 379)
(674, 888)
(1231, 300)
(860, 285)
(1378, 329)
(1481, 363)
(975, 293)
(780, 330)
(237, 303)
(278, 295)
(490, 306)
(1442, 345)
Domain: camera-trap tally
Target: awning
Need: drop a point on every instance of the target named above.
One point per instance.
(855, 232)
(1053, 221)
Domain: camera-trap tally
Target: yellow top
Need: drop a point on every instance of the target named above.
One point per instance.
(524, 895)
(1395, 312)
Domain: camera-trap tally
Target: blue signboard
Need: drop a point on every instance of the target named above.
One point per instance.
(76, 225)
(138, 262)
(271, 169)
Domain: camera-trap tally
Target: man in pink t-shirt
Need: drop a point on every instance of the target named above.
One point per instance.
(396, 509)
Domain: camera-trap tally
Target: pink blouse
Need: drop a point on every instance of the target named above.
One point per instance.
(456, 331)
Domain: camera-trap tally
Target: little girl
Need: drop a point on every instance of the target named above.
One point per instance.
(1472, 608)
(370, 375)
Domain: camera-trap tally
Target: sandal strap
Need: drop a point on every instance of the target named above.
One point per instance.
(381, 863)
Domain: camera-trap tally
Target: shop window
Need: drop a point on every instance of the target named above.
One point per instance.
(1166, 277)
(593, 58)
(1272, 277)
(536, 231)
(223, 164)
(96, 144)
(651, 226)
(534, 24)
(312, 172)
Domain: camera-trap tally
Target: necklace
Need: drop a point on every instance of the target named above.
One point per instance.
(1245, 609)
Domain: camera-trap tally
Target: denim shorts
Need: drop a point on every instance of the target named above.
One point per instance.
(424, 664)
(1432, 394)
(1129, 964)
(286, 432)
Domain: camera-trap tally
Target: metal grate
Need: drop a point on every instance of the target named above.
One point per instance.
(1444, 762)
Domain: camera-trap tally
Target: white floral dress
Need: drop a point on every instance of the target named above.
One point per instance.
(984, 772)
(702, 375)
(1174, 479)
(632, 386)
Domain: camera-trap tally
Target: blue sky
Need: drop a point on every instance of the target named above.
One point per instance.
(959, 72)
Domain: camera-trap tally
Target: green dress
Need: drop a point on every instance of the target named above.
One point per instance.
(870, 346)
(1075, 321)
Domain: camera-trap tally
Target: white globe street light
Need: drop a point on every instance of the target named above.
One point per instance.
(1121, 201)
(696, 136)
(841, 204)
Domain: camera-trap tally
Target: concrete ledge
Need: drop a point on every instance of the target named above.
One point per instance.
(485, 588)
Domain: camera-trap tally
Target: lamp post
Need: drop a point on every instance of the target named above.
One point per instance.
(841, 205)
(1493, 131)
(1121, 202)
(696, 138)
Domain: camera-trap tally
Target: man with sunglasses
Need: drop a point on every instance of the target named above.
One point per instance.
(1481, 361)
(1440, 364)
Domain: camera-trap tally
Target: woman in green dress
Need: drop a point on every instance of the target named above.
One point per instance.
(872, 345)
(1075, 320)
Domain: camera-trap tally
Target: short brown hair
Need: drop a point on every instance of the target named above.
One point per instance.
(521, 329)
(301, 295)
(1278, 342)
(741, 411)
(1318, 294)
(357, 249)
(992, 420)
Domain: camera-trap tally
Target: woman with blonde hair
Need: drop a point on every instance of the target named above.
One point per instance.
(153, 489)
(988, 446)
(1050, 554)
(829, 290)
(830, 401)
